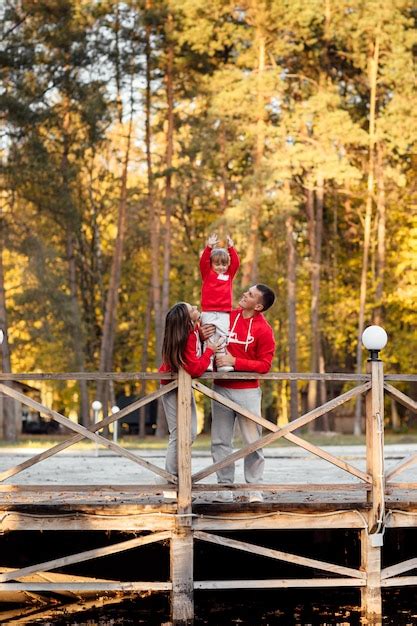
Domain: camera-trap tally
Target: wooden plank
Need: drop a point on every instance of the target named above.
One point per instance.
(279, 555)
(158, 521)
(101, 490)
(184, 447)
(85, 432)
(82, 587)
(401, 397)
(401, 581)
(300, 487)
(406, 378)
(80, 557)
(371, 599)
(375, 443)
(278, 583)
(116, 376)
(181, 559)
(395, 486)
(122, 376)
(399, 568)
(57, 577)
(301, 376)
(281, 520)
(267, 439)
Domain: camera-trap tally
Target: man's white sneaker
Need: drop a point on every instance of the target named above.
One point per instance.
(223, 496)
(226, 368)
(255, 496)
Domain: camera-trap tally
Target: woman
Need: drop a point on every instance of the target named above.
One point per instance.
(182, 348)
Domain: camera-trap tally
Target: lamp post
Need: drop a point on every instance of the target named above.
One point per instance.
(374, 338)
(96, 406)
(115, 409)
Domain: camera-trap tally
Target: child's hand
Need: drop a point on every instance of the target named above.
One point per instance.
(229, 240)
(215, 344)
(213, 240)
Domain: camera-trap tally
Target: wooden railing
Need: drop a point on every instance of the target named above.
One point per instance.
(374, 480)
(372, 384)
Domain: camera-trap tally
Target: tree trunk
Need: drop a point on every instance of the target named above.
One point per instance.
(380, 262)
(373, 74)
(72, 223)
(9, 418)
(250, 264)
(315, 214)
(110, 314)
(144, 363)
(153, 210)
(169, 149)
(292, 313)
(77, 332)
(224, 194)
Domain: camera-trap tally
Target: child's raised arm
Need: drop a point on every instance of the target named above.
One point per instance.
(212, 240)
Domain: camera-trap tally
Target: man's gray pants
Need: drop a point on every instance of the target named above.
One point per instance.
(223, 421)
(169, 401)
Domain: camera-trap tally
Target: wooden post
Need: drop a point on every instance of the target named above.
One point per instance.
(184, 446)
(371, 599)
(182, 601)
(375, 443)
(371, 539)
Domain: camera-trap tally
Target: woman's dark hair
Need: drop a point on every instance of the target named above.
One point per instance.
(178, 326)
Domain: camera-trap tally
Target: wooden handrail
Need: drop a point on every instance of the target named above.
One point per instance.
(132, 376)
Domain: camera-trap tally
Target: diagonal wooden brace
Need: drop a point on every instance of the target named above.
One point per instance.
(288, 428)
(85, 432)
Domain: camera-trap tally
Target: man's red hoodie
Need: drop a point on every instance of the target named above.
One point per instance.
(252, 343)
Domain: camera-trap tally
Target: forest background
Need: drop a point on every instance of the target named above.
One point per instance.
(131, 130)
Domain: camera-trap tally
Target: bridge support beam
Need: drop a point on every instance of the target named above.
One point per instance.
(371, 598)
(182, 549)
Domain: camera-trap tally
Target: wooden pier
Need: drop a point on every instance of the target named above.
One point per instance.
(368, 503)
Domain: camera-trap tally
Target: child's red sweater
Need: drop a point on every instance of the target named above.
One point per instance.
(216, 290)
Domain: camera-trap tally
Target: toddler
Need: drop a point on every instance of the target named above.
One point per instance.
(218, 267)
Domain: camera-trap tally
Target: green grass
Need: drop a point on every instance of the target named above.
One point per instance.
(203, 441)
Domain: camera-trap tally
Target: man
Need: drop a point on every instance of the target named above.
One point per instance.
(250, 349)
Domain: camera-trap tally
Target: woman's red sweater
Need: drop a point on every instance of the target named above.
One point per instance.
(194, 361)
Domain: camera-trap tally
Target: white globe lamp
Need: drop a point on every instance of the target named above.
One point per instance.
(1, 336)
(96, 405)
(374, 338)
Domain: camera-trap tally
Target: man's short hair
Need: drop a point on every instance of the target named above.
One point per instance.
(268, 296)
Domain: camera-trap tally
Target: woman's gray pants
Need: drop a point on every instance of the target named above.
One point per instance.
(169, 401)
(223, 421)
